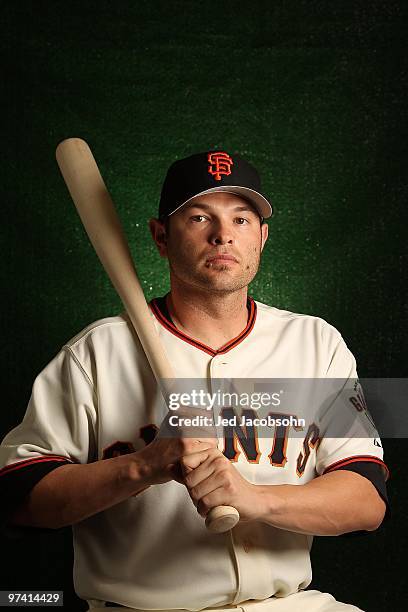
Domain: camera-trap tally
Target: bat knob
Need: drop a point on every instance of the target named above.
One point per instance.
(221, 518)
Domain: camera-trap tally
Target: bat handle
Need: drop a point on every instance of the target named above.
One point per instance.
(221, 518)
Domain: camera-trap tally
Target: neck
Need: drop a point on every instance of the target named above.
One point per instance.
(213, 319)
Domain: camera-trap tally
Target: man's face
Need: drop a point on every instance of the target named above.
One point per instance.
(213, 244)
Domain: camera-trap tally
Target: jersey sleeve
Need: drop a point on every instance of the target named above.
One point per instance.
(58, 428)
(348, 436)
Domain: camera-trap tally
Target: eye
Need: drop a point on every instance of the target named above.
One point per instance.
(198, 218)
(241, 221)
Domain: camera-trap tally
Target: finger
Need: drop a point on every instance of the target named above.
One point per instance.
(195, 476)
(188, 446)
(201, 466)
(205, 488)
(215, 498)
(210, 442)
(193, 460)
(216, 478)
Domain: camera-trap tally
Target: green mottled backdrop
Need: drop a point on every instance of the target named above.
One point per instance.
(312, 92)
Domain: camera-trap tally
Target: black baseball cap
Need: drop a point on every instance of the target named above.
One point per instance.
(208, 172)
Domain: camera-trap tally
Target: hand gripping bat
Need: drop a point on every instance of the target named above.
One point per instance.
(102, 224)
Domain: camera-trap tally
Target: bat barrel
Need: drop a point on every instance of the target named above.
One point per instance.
(99, 217)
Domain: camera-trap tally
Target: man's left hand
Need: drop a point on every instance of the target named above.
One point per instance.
(212, 481)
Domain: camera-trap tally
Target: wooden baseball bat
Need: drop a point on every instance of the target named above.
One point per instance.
(102, 224)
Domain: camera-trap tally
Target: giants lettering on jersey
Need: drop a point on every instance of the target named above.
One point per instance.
(238, 439)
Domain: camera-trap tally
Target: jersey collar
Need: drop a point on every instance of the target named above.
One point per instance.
(160, 311)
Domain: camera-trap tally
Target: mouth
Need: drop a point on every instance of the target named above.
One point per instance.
(221, 259)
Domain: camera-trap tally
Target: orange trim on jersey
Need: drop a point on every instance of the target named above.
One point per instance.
(203, 347)
(286, 435)
(256, 440)
(26, 462)
(285, 445)
(357, 459)
(308, 445)
(237, 439)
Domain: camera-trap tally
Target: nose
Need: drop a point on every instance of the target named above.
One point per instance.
(221, 233)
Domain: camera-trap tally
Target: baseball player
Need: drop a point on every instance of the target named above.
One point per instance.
(87, 454)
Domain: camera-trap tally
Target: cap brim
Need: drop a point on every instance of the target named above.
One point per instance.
(257, 200)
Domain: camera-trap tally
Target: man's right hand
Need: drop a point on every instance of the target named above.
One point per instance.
(73, 492)
(159, 461)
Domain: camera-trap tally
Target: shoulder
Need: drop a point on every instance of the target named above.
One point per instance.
(100, 329)
(103, 339)
(269, 315)
(311, 339)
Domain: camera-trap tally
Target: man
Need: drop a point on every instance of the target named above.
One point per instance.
(86, 453)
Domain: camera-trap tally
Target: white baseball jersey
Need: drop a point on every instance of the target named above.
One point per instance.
(98, 398)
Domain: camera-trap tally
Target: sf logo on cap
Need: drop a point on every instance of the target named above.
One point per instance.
(220, 163)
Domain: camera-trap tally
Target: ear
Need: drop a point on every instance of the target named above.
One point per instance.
(158, 232)
(264, 234)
